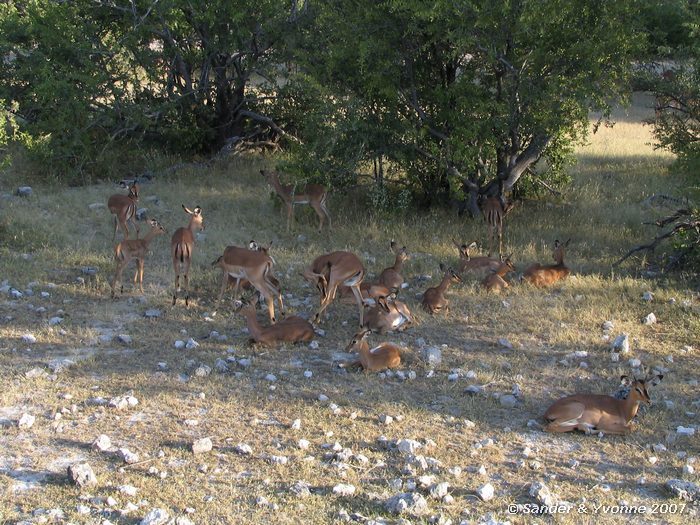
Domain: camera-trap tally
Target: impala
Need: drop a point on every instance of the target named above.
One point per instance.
(495, 282)
(593, 413)
(331, 270)
(388, 315)
(434, 299)
(130, 249)
(314, 195)
(494, 210)
(181, 245)
(123, 207)
(292, 329)
(391, 277)
(545, 275)
(383, 356)
(254, 266)
(478, 265)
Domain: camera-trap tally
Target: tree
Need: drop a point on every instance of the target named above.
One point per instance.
(91, 78)
(465, 95)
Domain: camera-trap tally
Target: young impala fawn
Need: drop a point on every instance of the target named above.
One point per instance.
(434, 300)
(544, 275)
(495, 282)
(130, 249)
(331, 270)
(383, 356)
(391, 277)
(292, 329)
(478, 265)
(599, 413)
(123, 207)
(181, 245)
(314, 195)
(388, 315)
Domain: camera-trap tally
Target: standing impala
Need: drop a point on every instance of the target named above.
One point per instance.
(593, 413)
(312, 194)
(477, 265)
(123, 207)
(391, 277)
(181, 246)
(130, 249)
(494, 210)
(383, 356)
(546, 274)
(255, 266)
(434, 300)
(329, 271)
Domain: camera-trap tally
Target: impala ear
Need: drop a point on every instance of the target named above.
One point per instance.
(187, 210)
(237, 305)
(472, 245)
(625, 380)
(556, 244)
(655, 380)
(442, 267)
(567, 243)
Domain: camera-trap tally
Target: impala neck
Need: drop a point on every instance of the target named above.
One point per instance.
(398, 263)
(630, 407)
(149, 236)
(502, 270)
(275, 181)
(252, 321)
(445, 283)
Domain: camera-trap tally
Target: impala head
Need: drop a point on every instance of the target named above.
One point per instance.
(134, 191)
(195, 216)
(506, 262)
(155, 225)
(638, 387)
(449, 272)
(358, 338)
(463, 249)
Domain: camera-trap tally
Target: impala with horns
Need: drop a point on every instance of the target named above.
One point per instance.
(494, 210)
(600, 413)
(123, 207)
(136, 249)
(383, 356)
(434, 299)
(391, 277)
(331, 270)
(478, 265)
(314, 195)
(388, 315)
(495, 281)
(255, 266)
(292, 329)
(547, 274)
(181, 246)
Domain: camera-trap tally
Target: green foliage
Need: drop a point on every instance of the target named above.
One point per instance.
(665, 24)
(448, 91)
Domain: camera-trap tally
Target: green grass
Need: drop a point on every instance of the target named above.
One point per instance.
(51, 236)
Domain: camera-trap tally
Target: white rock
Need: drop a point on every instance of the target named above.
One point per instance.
(608, 325)
(128, 456)
(541, 493)
(407, 503)
(296, 424)
(243, 449)
(155, 517)
(649, 319)
(200, 446)
(505, 343)
(102, 443)
(408, 446)
(29, 339)
(344, 489)
(386, 419)
(26, 421)
(308, 374)
(685, 490)
(271, 377)
(685, 431)
(191, 344)
(621, 344)
(129, 490)
(508, 401)
(688, 469)
(322, 398)
(440, 490)
(82, 475)
(635, 363)
(124, 339)
(303, 444)
(179, 344)
(55, 320)
(647, 296)
(432, 355)
(486, 492)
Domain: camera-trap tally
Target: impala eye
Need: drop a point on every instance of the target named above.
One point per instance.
(638, 390)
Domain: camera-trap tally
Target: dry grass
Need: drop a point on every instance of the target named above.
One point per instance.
(48, 238)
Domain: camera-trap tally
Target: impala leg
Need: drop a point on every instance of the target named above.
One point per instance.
(269, 299)
(140, 267)
(116, 227)
(290, 215)
(125, 228)
(556, 426)
(358, 297)
(176, 267)
(186, 277)
(224, 284)
(321, 214)
(325, 211)
(117, 277)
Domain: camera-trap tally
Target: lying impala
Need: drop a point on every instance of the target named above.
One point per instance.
(388, 315)
(391, 277)
(123, 207)
(292, 329)
(254, 266)
(314, 195)
(137, 249)
(495, 282)
(477, 265)
(329, 271)
(598, 413)
(544, 275)
(381, 357)
(181, 246)
(434, 299)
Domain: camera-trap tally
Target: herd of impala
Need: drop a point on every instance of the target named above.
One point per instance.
(342, 273)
